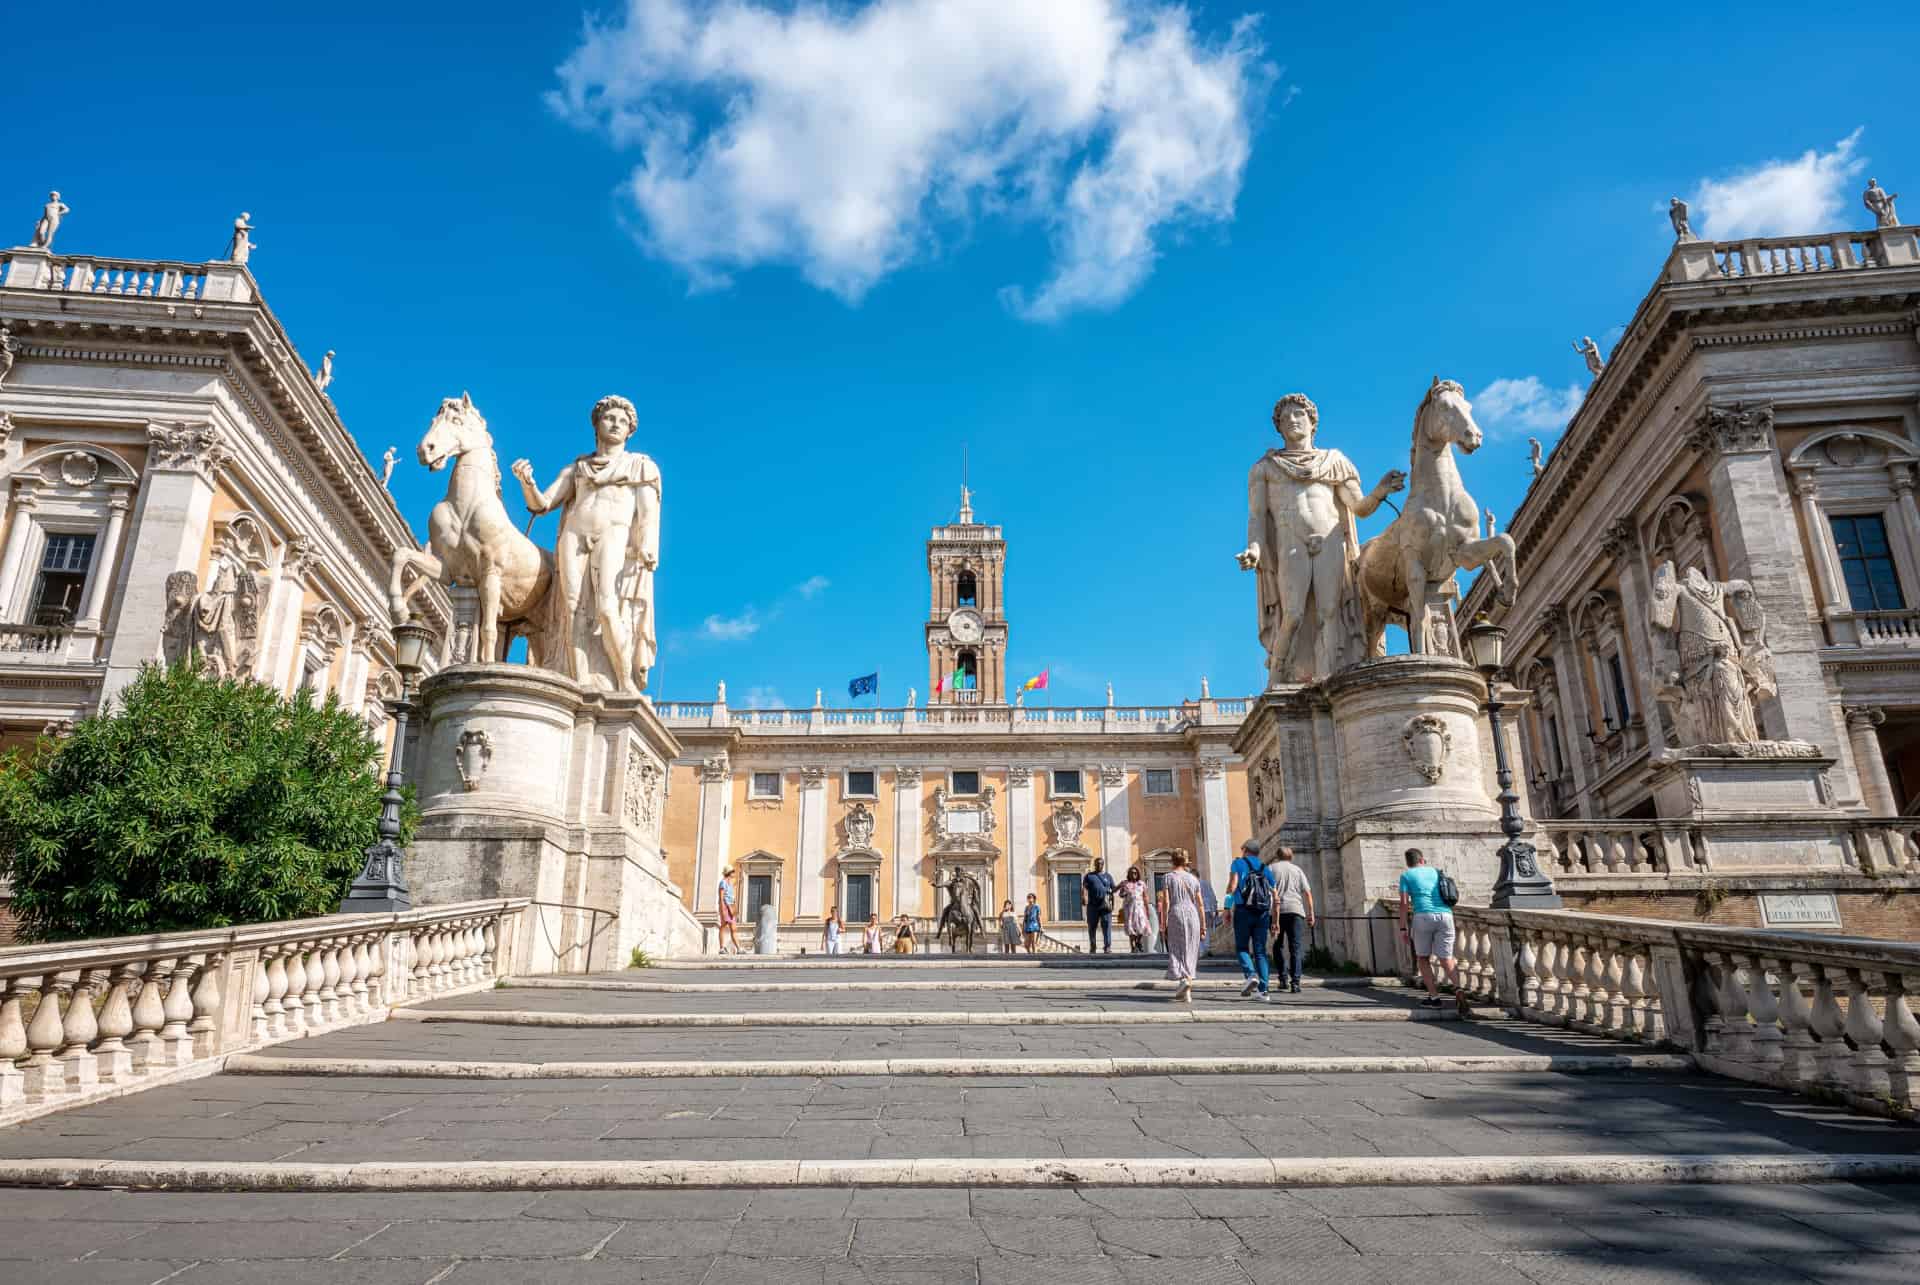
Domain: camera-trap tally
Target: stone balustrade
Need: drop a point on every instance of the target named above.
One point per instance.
(85, 274)
(1825, 1015)
(1899, 628)
(943, 719)
(89, 1019)
(1656, 847)
(33, 642)
(1775, 256)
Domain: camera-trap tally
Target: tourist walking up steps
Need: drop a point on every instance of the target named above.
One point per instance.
(1293, 916)
(830, 935)
(1009, 930)
(1030, 924)
(903, 937)
(1426, 921)
(1096, 888)
(727, 917)
(1133, 910)
(1183, 917)
(870, 940)
(1250, 893)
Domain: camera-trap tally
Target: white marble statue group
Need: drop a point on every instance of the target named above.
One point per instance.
(586, 606)
(1325, 599)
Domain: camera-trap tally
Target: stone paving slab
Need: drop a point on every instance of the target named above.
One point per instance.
(1092, 995)
(267, 1118)
(1428, 1236)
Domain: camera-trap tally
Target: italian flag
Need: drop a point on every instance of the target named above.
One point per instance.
(956, 678)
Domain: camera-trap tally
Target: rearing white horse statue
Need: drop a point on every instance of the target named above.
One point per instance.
(1436, 534)
(471, 540)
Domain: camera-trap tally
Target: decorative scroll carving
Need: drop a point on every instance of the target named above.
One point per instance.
(186, 448)
(1729, 430)
(1428, 743)
(813, 774)
(472, 755)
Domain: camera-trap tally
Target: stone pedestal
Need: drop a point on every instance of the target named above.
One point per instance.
(1389, 754)
(531, 786)
(1756, 801)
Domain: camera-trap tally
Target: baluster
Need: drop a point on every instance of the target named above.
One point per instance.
(1863, 1033)
(330, 981)
(1829, 1026)
(1799, 1056)
(80, 1030)
(44, 1078)
(1548, 990)
(363, 996)
(350, 1001)
(477, 951)
(113, 1062)
(1529, 980)
(1612, 847)
(1618, 1004)
(457, 944)
(1598, 1001)
(13, 1044)
(490, 952)
(208, 1002)
(1579, 988)
(1766, 1036)
(277, 1025)
(295, 1001)
(149, 1015)
(262, 996)
(1899, 1029)
(1643, 1004)
(1732, 997)
(420, 951)
(172, 1046)
(377, 948)
(314, 1010)
(1564, 966)
(442, 948)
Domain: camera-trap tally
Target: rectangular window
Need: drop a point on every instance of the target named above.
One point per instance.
(1066, 896)
(765, 785)
(859, 783)
(1866, 562)
(1159, 780)
(63, 579)
(859, 903)
(963, 782)
(1066, 781)
(1620, 707)
(759, 895)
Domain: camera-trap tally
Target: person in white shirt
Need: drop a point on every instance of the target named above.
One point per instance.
(1293, 912)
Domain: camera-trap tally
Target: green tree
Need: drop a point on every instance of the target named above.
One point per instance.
(192, 803)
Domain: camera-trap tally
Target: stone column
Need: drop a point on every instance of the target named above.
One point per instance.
(1826, 567)
(712, 840)
(26, 498)
(1907, 527)
(1876, 788)
(106, 561)
(1115, 830)
(1020, 835)
(812, 865)
(1757, 529)
(1217, 855)
(176, 501)
(906, 841)
(1622, 543)
(1573, 686)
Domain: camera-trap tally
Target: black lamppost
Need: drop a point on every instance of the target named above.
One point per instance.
(381, 887)
(1522, 885)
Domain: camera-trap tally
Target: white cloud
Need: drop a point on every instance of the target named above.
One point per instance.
(1508, 407)
(847, 141)
(812, 586)
(717, 628)
(1779, 198)
(764, 698)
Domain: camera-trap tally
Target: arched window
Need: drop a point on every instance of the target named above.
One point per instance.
(968, 667)
(966, 590)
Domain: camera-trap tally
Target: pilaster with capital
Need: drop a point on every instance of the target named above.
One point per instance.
(1116, 832)
(1020, 847)
(809, 893)
(1574, 688)
(907, 831)
(1826, 563)
(24, 499)
(1216, 853)
(286, 603)
(1622, 543)
(1876, 786)
(714, 836)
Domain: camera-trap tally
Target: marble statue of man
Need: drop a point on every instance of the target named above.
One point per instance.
(1534, 452)
(1714, 663)
(323, 377)
(1591, 352)
(387, 462)
(605, 557)
(1301, 546)
(49, 222)
(1880, 201)
(242, 246)
(7, 355)
(1677, 214)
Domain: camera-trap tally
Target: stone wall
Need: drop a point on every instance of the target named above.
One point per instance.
(1885, 908)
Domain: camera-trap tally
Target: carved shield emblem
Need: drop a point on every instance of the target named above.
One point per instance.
(472, 756)
(1427, 740)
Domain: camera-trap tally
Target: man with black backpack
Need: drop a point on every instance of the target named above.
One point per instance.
(1250, 893)
(1427, 898)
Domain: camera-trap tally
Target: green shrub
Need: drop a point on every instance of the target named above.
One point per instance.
(639, 959)
(191, 803)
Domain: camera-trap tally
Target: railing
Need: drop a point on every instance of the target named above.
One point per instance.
(1774, 256)
(1641, 848)
(1888, 628)
(988, 718)
(88, 1019)
(37, 641)
(1827, 1015)
(141, 278)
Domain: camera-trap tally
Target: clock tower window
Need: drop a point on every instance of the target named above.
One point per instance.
(966, 590)
(967, 665)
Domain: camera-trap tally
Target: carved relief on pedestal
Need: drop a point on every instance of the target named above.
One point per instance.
(1428, 742)
(642, 791)
(472, 755)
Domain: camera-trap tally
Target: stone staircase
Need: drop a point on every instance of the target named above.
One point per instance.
(929, 1121)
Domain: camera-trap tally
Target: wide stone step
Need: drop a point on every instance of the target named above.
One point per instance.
(826, 982)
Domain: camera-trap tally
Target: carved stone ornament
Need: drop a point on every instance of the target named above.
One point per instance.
(642, 799)
(906, 777)
(813, 775)
(1213, 769)
(78, 469)
(1727, 430)
(859, 825)
(1621, 539)
(963, 825)
(1112, 774)
(715, 769)
(6, 428)
(299, 557)
(186, 448)
(472, 754)
(220, 625)
(1019, 775)
(1067, 823)
(1428, 742)
(1711, 658)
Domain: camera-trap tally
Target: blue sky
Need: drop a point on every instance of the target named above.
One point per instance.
(1090, 243)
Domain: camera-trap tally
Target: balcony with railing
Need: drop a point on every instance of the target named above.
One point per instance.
(961, 719)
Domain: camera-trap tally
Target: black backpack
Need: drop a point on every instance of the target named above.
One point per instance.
(1447, 890)
(1256, 890)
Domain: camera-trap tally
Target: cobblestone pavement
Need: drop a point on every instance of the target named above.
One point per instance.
(1422, 1236)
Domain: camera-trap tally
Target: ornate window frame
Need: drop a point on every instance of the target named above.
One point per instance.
(1851, 471)
(1059, 860)
(760, 862)
(66, 488)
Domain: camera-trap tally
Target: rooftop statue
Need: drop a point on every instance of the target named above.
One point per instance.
(1407, 570)
(323, 377)
(1880, 201)
(1677, 214)
(1533, 456)
(49, 222)
(242, 246)
(1301, 546)
(387, 462)
(1591, 352)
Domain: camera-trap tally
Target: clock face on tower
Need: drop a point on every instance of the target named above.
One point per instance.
(965, 626)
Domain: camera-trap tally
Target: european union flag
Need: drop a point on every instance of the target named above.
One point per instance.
(866, 686)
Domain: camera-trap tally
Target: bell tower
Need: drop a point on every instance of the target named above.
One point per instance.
(966, 618)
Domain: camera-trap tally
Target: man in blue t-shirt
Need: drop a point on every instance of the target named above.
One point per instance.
(1250, 893)
(1427, 924)
(1096, 890)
